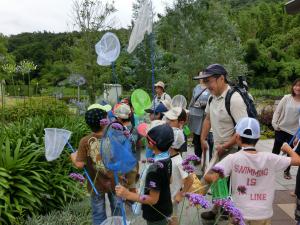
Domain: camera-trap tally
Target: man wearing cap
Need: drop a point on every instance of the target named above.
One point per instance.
(160, 94)
(215, 77)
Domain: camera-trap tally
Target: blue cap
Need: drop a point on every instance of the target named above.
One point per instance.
(158, 109)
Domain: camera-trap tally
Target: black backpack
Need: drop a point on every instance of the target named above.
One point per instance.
(251, 110)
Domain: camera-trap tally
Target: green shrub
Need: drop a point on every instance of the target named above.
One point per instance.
(34, 107)
(28, 183)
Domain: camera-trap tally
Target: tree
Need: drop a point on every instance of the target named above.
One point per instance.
(201, 33)
(90, 16)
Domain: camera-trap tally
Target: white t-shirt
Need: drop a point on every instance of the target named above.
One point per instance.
(257, 173)
(178, 174)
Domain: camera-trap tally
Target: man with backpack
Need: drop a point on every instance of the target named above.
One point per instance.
(226, 106)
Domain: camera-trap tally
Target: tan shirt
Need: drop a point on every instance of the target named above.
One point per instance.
(221, 123)
(104, 181)
(286, 115)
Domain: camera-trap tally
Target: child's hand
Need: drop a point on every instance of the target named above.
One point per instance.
(121, 191)
(179, 196)
(285, 147)
(74, 156)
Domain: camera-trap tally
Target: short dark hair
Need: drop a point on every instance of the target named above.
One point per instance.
(93, 118)
(249, 141)
(294, 84)
(182, 116)
(225, 77)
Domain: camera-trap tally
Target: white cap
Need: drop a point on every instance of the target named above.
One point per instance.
(248, 127)
(160, 84)
(173, 113)
(122, 111)
(178, 138)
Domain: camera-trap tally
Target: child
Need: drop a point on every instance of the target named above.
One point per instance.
(181, 180)
(252, 173)
(123, 115)
(88, 155)
(176, 117)
(156, 203)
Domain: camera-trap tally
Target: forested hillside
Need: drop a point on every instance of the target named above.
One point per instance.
(253, 38)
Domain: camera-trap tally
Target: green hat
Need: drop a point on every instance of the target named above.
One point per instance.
(106, 108)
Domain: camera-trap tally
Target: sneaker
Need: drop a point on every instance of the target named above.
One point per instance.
(209, 215)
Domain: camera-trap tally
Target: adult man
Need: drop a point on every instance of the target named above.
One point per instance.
(160, 94)
(215, 77)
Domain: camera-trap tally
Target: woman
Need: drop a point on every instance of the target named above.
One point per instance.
(196, 116)
(286, 120)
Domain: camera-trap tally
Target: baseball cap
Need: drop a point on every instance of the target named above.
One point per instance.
(213, 69)
(178, 138)
(248, 127)
(160, 84)
(162, 135)
(122, 111)
(143, 128)
(160, 108)
(106, 107)
(173, 113)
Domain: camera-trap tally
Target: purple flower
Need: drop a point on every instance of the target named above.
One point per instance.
(197, 200)
(159, 164)
(78, 177)
(152, 184)
(193, 158)
(218, 170)
(149, 160)
(185, 162)
(104, 122)
(242, 189)
(233, 212)
(143, 197)
(126, 133)
(117, 126)
(188, 168)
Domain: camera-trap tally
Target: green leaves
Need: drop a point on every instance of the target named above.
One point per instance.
(28, 183)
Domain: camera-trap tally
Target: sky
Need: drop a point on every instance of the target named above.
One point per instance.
(17, 16)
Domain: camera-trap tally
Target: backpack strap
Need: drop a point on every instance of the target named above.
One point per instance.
(198, 96)
(210, 99)
(227, 103)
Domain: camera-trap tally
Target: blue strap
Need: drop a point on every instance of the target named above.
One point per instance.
(151, 39)
(85, 172)
(115, 78)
